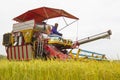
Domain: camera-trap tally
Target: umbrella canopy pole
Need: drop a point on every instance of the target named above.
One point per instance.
(67, 25)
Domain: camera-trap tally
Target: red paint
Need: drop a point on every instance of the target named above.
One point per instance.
(26, 52)
(54, 52)
(10, 52)
(40, 13)
(22, 52)
(7, 53)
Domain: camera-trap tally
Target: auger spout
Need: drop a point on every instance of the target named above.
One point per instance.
(94, 37)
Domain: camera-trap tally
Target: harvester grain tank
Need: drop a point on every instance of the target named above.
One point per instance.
(31, 37)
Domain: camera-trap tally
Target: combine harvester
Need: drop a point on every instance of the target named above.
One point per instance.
(31, 38)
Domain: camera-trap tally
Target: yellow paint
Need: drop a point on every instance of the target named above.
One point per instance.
(27, 34)
(64, 43)
(77, 55)
(72, 55)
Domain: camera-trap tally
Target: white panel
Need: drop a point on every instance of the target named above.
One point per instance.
(29, 51)
(23, 26)
(24, 50)
(20, 49)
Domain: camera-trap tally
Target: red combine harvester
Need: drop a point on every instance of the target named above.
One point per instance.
(31, 38)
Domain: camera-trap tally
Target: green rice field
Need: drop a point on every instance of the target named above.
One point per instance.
(59, 70)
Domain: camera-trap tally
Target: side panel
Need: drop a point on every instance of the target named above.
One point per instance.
(23, 26)
(19, 52)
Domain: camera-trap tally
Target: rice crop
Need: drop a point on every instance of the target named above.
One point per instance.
(59, 70)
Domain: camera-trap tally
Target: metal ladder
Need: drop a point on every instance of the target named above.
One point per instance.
(40, 49)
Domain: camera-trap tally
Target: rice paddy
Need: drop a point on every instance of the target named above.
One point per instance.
(59, 70)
